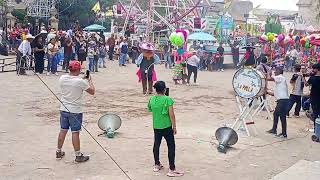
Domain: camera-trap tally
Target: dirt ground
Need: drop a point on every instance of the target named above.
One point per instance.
(29, 119)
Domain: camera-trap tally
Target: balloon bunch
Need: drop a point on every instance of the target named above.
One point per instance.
(280, 39)
(179, 37)
(271, 37)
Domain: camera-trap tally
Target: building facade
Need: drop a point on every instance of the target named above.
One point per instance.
(309, 11)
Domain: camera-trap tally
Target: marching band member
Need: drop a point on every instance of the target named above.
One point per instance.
(282, 96)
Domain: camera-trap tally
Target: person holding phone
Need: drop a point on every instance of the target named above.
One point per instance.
(72, 87)
(164, 125)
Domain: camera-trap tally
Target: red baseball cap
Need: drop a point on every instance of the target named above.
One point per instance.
(74, 65)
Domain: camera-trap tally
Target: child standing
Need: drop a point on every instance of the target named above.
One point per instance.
(102, 55)
(164, 125)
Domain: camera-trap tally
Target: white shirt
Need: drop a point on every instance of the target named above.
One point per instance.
(193, 61)
(72, 88)
(281, 88)
(25, 48)
(51, 46)
(293, 53)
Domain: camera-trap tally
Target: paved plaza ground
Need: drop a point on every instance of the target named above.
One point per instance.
(29, 119)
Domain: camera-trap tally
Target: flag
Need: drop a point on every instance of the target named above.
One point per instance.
(109, 13)
(96, 7)
(227, 4)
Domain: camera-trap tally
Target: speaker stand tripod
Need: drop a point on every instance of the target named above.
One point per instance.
(247, 110)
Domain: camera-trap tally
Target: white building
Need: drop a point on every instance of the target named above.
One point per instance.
(308, 10)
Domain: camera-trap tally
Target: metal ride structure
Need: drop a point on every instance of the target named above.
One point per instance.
(39, 8)
(168, 14)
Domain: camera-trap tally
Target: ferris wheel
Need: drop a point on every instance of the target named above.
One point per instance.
(165, 13)
(39, 8)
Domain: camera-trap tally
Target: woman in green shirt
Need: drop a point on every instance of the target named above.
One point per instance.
(164, 125)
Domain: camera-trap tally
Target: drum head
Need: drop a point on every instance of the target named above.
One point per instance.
(247, 83)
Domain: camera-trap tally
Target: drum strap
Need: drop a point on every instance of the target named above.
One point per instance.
(264, 68)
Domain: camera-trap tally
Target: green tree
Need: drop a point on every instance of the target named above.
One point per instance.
(72, 10)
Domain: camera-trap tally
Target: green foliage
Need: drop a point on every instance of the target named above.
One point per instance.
(80, 10)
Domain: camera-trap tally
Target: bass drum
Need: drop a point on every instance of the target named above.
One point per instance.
(249, 83)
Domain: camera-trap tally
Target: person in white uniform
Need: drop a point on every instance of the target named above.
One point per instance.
(282, 96)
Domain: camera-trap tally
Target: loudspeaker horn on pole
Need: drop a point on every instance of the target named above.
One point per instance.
(226, 138)
(109, 123)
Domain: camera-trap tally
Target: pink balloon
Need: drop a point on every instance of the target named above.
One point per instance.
(280, 37)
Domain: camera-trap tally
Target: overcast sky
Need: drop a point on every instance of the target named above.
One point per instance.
(277, 4)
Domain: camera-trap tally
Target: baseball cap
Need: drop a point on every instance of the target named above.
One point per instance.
(74, 65)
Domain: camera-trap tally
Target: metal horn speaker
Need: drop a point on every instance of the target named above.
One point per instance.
(109, 123)
(226, 138)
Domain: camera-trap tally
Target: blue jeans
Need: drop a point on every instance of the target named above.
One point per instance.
(167, 58)
(289, 63)
(71, 121)
(101, 61)
(122, 59)
(91, 63)
(52, 64)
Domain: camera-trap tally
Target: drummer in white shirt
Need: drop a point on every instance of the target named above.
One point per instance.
(282, 96)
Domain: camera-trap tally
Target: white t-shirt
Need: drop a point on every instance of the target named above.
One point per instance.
(193, 61)
(293, 53)
(51, 46)
(281, 88)
(72, 88)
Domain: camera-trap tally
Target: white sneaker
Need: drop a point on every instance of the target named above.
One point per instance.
(188, 84)
(48, 73)
(222, 70)
(174, 173)
(56, 74)
(157, 168)
(37, 73)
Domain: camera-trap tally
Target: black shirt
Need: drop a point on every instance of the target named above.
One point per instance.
(39, 53)
(220, 50)
(314, 82)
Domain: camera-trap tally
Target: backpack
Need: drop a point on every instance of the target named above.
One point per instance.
(124, 49)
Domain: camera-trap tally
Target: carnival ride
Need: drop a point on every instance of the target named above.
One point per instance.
(164, 14)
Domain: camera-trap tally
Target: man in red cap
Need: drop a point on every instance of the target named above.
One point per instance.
(72, 87)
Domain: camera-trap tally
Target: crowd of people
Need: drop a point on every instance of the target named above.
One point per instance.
(74, 47)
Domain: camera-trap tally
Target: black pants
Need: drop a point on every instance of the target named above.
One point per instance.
(294, 99)
(169, 137)
(315, 109)
(95, 62)
(111, 50)
(39, 64)
(194, 70)
(281, 111)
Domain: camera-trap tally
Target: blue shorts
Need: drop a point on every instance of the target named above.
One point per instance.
(71, 121)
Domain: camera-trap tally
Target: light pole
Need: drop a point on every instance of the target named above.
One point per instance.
(246, 16)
